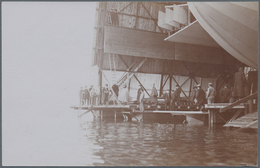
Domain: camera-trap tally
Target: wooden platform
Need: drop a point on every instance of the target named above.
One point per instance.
(246, 121)
(102, 107)
(222, 105)
(170, 112)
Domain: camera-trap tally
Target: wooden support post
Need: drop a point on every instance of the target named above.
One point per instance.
(115, 115)
(100, 85)
(161, 87)
(101, 114)
(170, 86)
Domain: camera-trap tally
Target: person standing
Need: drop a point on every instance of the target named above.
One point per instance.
(193, 94)
(200, 96)
(116, 89)
(141, 99)
(138, 93)
(210, 94)
(167, 99)
(81, 96)
(154, 94)
(224, 94)
(93, 96)
(176, 95)
(86, 95)
(239, 84)
(106, 95)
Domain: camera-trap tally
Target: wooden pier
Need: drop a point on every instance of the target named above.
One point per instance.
(247, 121)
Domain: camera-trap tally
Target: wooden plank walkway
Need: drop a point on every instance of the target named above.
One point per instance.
(101, 107)
(222, 105)
(246, 121)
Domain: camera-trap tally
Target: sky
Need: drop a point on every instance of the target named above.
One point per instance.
(46, 51)
(46, 58)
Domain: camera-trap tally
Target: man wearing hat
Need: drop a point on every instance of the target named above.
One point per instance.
(224, 94)
(200, 96)
(210, 94)
(176, 95)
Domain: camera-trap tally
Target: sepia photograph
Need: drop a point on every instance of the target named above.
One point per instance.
(129, 83)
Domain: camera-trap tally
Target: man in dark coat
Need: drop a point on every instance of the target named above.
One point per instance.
(86, 95)
(239, 84)
(115, 89)
(176, 95)
(224, 94)
(200, 96)
(193, 94)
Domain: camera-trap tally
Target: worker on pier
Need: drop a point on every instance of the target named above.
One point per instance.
(81, 96)
(141, 100)
(154, 94)
(167, 99)
(115, 89)
(93, 96)
(239, 84)
(86, 95)
(193, 95)
(106, 95)
(200, 97)
(176, 96)
(225, 94)
(138, 93)
(210, 93)
(124, 95)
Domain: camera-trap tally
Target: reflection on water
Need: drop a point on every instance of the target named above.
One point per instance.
(137, 144)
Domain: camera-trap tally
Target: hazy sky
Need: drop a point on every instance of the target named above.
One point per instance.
(46, 58)
(46, 51)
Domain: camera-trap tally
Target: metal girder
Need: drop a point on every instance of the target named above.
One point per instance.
(134, 74)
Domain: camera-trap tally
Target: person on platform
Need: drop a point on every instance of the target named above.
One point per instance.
(167, 99)
(154, 94)
(138, 93)
(106, 95)
(141, 100)
(98, 96)
(200, 97)
(210, 93)
(93, 96)
(115, 89)
(193, 94)
(124, 95)
(81, 96)
(176, 96)
(86, 95)
(224, 94)
(239, 84)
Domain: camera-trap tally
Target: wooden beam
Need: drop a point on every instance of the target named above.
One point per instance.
(132, 42)
(161, 83)
(252, 96)
(125, 7)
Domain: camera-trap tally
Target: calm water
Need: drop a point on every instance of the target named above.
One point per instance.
(138, 144)
(59, 138)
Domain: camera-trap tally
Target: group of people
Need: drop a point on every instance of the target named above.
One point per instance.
(92, 96)
(88, 96)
